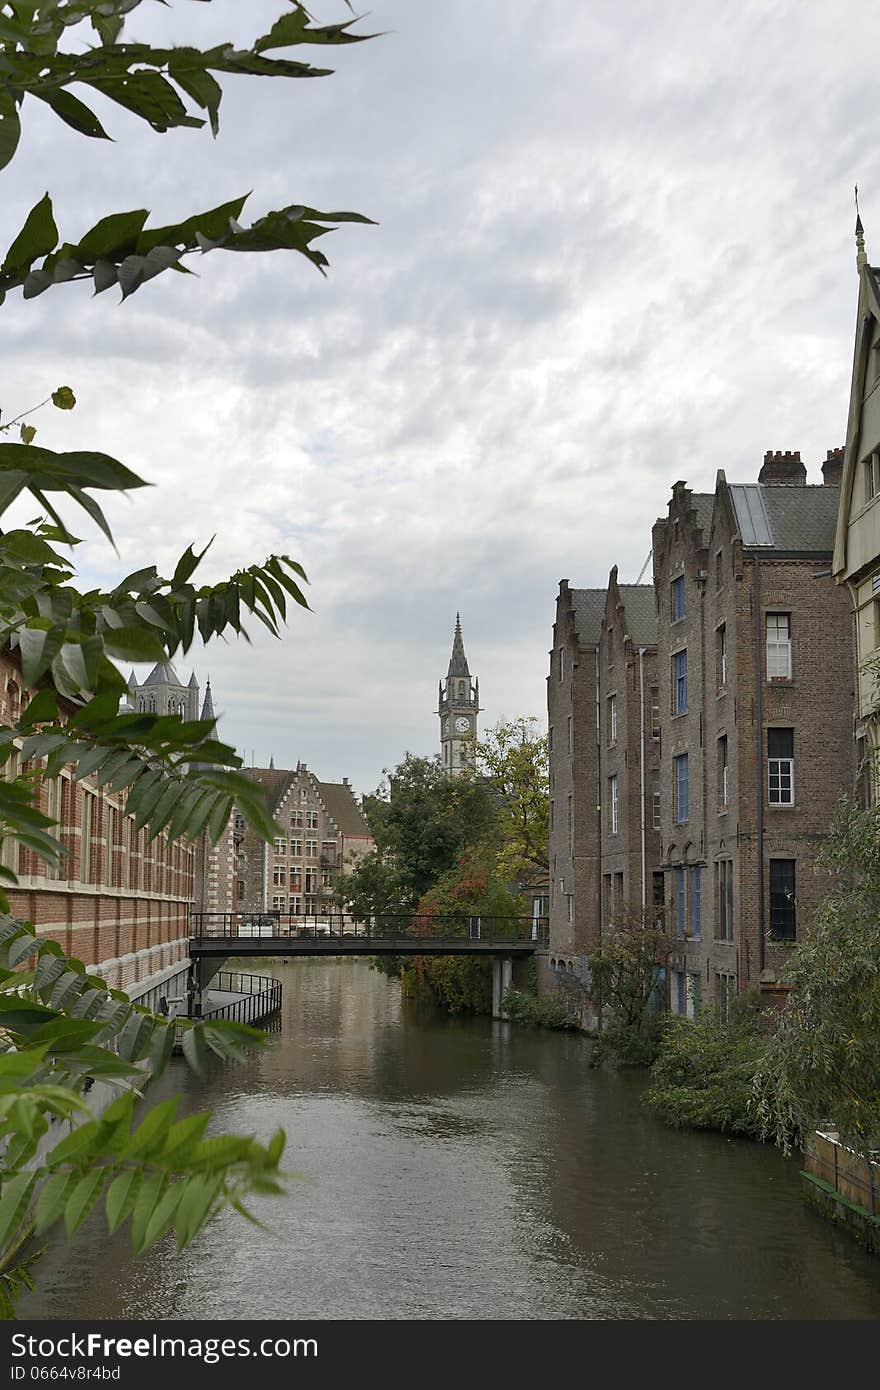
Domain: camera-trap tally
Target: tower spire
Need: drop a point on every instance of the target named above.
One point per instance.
(458, 661)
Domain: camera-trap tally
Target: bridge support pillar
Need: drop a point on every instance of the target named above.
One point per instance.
(502, 978)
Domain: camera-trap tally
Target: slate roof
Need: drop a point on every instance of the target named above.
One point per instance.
(339, 803)
(163, 673)
(641, 613)
(589, 610)
(275, 780)
(800, 519)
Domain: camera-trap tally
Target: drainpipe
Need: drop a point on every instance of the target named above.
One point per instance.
(759, 716)
(598, 800)
(642, 769)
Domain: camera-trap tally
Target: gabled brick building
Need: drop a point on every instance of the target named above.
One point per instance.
(756, 719)
(324, 830)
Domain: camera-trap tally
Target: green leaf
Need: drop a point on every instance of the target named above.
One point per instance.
(83, 1198)
(73, 112)
(133, 644)
(38, 237)
(53, 1196)
(162, 1218)
(194, 1049)
(147, 1200)
(10, 129)
(63, 398)
(149, 1137)
(121, 1197)
(198, 1198)
(81, 1145)
(14, 1203)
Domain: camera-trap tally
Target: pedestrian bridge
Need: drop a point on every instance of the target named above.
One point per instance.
(215, 936)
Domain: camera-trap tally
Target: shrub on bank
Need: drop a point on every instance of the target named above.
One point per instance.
(704, 1074)
(536, 1011)
(626, 1046)
(459, 984)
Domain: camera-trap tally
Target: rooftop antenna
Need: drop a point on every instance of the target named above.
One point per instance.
(644, 566)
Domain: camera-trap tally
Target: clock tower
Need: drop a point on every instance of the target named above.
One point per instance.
(459, 707)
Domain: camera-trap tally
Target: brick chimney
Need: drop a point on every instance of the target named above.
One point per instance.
(832, 468)
(783, 468)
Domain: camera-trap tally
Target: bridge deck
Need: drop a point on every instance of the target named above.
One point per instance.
(223, 946)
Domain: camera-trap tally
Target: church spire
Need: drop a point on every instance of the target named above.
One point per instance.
(861, 255)
(208, 702)
(458, 661)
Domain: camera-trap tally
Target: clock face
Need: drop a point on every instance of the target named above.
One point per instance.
(462, 724)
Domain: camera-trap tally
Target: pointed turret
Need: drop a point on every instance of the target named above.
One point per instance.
(272, 763)
(193, 683)
(208, 703)
(861, 254)
(458, 661)
(132, 681)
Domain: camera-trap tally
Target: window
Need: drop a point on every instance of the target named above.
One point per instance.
(680, 682)
(694, 994)
(612, 803)
(658, 893)
(779, 646)
(725, 991)
(680, 900)
(780, 766)
(570, 899)
(562, 663)
(611, 646)
(296, 820)
(85, 853)
(618, 892)
(311, 849)
(783, 902)
(311, 820)
(570, 736)
(696, 904)
(871, 465)
(612, 719)
(678, 599)
(721, 656)
(311, 880)
(296, 847)
(278, 876)
(655, 711)
(278, 903)
(606, 897)
(679, 992)
(723, 773)
(655, 799)
(682, 789)
(296, 905)
(280, 846)
(570, 825)
(719, 569)
(724, 899)
(295, 877)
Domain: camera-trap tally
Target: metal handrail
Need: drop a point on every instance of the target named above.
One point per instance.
(276, 925)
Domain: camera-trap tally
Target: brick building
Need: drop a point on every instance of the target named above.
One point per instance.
(116, 902)
(324, 830)
(603, 758)
(754, 662)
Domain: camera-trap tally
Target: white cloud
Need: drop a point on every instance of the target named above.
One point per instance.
(615, 249)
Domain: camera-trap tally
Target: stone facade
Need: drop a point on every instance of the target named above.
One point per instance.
(324, 830)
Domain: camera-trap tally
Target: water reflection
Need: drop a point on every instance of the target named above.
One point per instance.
(463, 1169)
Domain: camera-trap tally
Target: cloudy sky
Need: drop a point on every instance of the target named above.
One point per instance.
(615, 248)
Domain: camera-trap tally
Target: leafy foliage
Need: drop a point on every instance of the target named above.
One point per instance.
(537, 1011)
(62, 1029)
(822, 1060)
(459, 984)
(627, 969)
(514, 762)
(704, 1074)
(421, 820)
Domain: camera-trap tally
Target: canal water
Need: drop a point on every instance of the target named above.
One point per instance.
(456, 1168)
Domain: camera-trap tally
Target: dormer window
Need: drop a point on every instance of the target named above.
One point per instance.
(678, 599)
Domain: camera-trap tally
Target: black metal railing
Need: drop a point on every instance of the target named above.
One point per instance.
(343, 926)
(262, 996)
